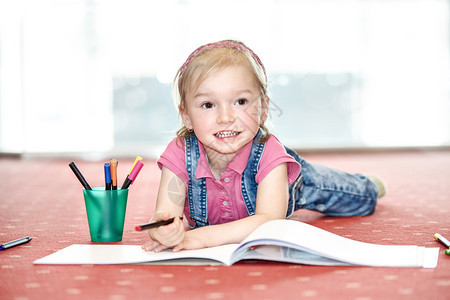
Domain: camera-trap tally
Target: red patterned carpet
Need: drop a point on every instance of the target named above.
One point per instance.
(42, 198)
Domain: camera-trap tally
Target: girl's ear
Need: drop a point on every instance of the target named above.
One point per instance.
(265, 110)
(185, 117)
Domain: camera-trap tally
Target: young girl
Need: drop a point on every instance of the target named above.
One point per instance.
(225, 172)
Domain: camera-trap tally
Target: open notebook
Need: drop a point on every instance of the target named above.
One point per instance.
(279, 240)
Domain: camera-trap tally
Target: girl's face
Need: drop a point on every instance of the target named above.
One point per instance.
(225, 111)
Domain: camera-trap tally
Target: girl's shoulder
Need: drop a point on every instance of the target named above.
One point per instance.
(175, 147)
(174, 158)
(273, 143)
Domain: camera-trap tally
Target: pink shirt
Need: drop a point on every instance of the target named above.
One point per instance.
(225, 202)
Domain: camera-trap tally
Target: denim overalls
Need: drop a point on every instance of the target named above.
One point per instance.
(318, 188)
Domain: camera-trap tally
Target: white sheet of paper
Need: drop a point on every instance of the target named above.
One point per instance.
(317, 242)
(130, 254)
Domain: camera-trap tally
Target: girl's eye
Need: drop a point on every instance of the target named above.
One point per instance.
(207, 105)
(241, 101)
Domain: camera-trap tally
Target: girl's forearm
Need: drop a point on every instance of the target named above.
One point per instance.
(228, 233)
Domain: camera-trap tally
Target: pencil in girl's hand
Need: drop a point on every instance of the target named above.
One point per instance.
(155, 224)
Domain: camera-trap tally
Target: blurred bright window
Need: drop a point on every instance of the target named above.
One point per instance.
(95, 76)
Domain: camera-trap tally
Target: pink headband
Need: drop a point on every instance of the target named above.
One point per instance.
(221, 44)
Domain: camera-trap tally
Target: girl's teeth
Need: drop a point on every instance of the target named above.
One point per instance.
(226, 134)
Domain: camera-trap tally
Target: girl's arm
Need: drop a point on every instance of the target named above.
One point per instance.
(169, 203)
(271, 203)
(171, 194)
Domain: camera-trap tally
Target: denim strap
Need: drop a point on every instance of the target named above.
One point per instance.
(249, 186)
(197, 197)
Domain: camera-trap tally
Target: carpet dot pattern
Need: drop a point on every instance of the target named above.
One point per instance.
(42, 198)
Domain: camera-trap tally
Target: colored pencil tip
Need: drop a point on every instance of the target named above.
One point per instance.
(138, 228)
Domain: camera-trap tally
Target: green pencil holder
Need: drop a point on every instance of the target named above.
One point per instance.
(106, 213)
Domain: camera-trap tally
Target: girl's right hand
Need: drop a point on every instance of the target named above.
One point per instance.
(165, 237)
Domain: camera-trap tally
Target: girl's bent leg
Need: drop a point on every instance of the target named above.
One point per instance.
(334, 192)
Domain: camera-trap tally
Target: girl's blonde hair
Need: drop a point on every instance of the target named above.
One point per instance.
(213, 57)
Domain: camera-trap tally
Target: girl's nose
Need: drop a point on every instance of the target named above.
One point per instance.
(226, 115)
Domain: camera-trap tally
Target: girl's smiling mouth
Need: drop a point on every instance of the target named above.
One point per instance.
(226, 134)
